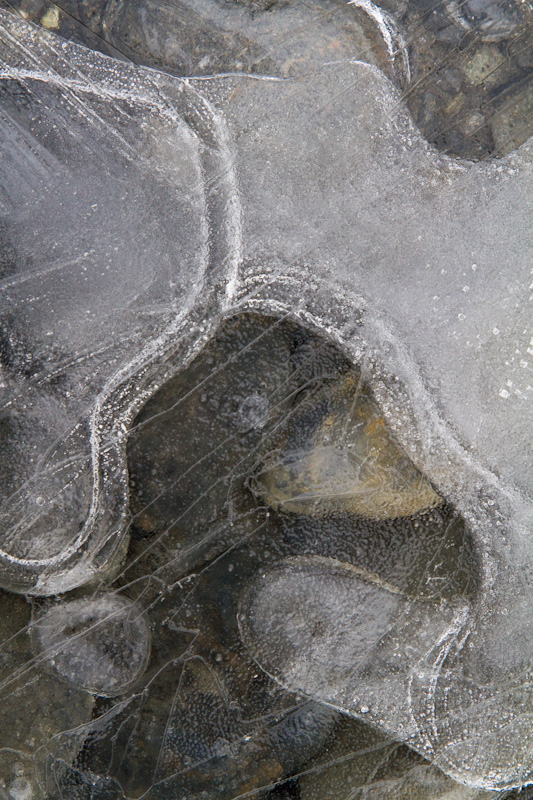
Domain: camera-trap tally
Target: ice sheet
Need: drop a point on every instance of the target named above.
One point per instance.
(140, 210)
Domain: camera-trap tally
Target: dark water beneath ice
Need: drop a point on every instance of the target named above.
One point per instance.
(201, 719)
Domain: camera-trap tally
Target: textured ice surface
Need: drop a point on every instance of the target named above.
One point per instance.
(421, 268)
(100, 645)
(119, 211)
(137, 211)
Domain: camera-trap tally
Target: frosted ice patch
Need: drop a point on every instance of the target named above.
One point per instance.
(122, 220)
(336, 632)
(101, 645)
(342, 635)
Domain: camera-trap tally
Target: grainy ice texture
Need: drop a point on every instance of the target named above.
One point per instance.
(266, 407)
(118, 221)
(100, 645)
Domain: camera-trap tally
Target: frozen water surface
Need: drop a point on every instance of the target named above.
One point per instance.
(266, 408)
(101, 644)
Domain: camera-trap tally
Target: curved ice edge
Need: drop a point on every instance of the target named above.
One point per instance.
(83, 71)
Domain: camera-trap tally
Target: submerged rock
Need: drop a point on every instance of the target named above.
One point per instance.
(494, 19)
(208, 724)
(36, 706)
(360, 763)
(338, 456)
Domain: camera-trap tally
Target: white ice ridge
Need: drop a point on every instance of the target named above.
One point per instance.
(141, 133)
(392, 37)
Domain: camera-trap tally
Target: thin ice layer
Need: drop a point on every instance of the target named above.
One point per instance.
(346, 637)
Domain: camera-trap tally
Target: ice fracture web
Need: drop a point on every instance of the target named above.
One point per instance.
(266, 431)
